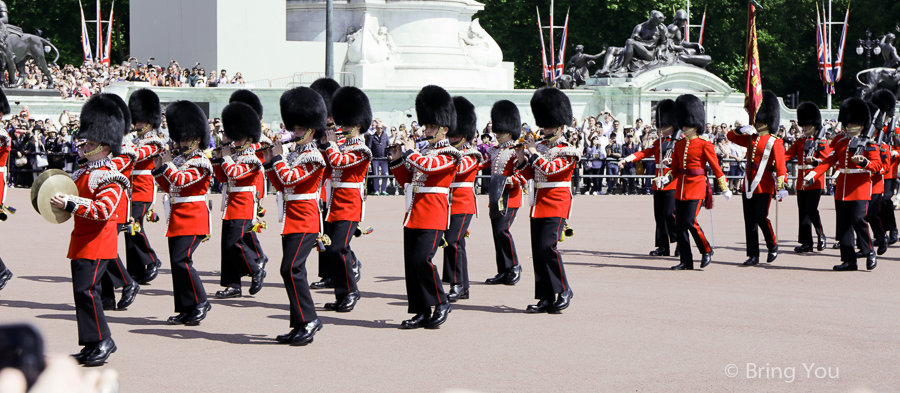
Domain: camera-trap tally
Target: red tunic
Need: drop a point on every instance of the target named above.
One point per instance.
(502, 159)
(426, 178)
(854, 183)
(796, 151)
(260, 181)
(463, 186)
(756, 145)
(5, 146)
(349, 164)
(239, 171)
(689, 162)
(100, 188)
(141, 177)
(656, 152)
(298, 177)
(884, 156)
(187, 181)
(124, 164)
(551, 169)
(891, 173)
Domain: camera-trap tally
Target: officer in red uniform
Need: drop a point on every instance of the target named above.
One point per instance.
(505, 191)
(691, 155)
(146, 115)
(885, 99)
(854, 183)
(426, 177)
(809, 153)
(764, 176)
(462, 196)
(346, 204)
(663, 198)
(250, 238)
(94, 241)
(299, 176)
(238, 170)
(5, 147)
(550, 164)
(186, 179)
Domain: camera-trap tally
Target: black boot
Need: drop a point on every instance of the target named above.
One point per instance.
(660, 252)
(441, 311)
(845, 267)
(457, 292)
(500, 278)
(706, 258)
(198, 314)
(871, 262)
(751, 261)
(4, 278)
(514, 275)
(129, 293)
(325, 283)
(101, 352)
(803, 249)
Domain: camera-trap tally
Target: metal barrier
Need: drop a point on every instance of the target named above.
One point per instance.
(304, 79)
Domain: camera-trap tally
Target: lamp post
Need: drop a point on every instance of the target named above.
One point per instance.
(329, 39)
(868, 47)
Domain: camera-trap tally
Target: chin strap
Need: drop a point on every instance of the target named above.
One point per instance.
(95, 151)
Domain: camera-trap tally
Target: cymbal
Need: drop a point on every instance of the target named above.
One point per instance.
(36, 186)
(50, 187)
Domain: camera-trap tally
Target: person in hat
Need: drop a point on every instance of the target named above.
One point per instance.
(186, 179)
(687, 169)
(853, 190)
(505, 190)
(426, 176)
(349, 162)
(809, 150)
(464, 207)
(298, 176)
(664, 197)
(236, 164)
(888, 101)
(885, 101)
(146, 115)
(94, 242)
(550, 164)
(5, 149)
(764, 177)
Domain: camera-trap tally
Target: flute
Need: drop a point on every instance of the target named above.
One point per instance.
(292, 140)
(422, 139)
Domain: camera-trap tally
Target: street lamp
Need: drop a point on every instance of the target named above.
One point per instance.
(868, 47)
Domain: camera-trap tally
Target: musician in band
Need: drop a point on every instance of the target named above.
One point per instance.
(186, 179)
(5, 148)
(891, 183)
(885, 101)
(251, 238)
(809, 150)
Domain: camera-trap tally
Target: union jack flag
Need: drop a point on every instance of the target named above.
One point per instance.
(560, 64)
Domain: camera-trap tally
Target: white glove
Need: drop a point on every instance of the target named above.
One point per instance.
(895, 153)
(727, 194)
(810, 176)
(661, 181)
(781, 195)
(748, 130)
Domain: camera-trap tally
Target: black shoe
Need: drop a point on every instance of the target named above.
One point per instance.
(541, 307)
(129, 293)
(859, 254)
(263, 261)
(109, 304)
(288, 337)
(893, 237)
(79, 357)
(4, 278)
(356, 269)
(820, 245)
(441, 311)
(152, 271)
(803, 249)
(514, 275)
(773, 254)
(682, 266)
(332, 306)
(500, 278)
(751, 261)
(228, 293)
(660, 252)
(101, 352)
(836, 246)
(871, 261)
(325, 283)
(348, 303)
(457, 292)
(256, 282)
(415, 322)
(845, 267)
(198, 314)
(706, 259)
(562, 301)
(677, 252)
(882, 248)
(307, 333)
(179, 319)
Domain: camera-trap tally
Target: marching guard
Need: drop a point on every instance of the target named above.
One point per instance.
(186, 179)
(5, 147)
(426, 177)
(809, 150)
(885, 101)
(892, 136)
(299, 176)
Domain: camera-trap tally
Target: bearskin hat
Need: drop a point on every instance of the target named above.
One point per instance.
(326, 87)
(303, 107)
(4, 103)
(351, 108)
(466, 121)
(248, 97)
(769, 111)
(187, 122)
(689, 112)
(240, 121)
(551, 108)
(434, 106)
(808, 114)
(854, 111)
(505, 119)
(102, 121)
(665, 114)
(144, 106)
(126, 113)
(885, 100)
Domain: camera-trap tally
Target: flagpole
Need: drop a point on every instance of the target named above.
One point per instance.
(687, 24)
(828, 25)
(552, 51)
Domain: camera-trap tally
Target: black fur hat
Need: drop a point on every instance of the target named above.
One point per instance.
(551, 108)
(665, 114)
(351, 108)
(434, 106)
(808, 114)
(854, 111)
(505, 119)
(326, 87)
(187, 122)
(769, 111)
(102, 121)
(144, 106)
(303, 107)
(885, 100)
(126, 113)
(689, 112)
(240, 121)
(466, 121)
(4, 103)
(248, 97)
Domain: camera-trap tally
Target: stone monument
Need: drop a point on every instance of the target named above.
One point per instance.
(17, 47)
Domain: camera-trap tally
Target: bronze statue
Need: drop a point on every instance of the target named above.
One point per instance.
(688, 52)
(17, 47)
(579, 64)
(646, 39)
(888, 51)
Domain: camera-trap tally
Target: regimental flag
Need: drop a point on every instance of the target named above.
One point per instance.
(823, 53)
(546, 75)
(560, 63)
(838, 70)
(753, 86)
(85, 38)
(107, 46)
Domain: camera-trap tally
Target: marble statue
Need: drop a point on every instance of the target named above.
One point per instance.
(479, 47)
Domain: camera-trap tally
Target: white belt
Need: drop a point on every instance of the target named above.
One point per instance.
(807, 167)
(558, 184)
(851, 171)
(142, 173)
(3, 169)
(241, 189)
(469, 184)
(187, 199)
(431, 190)
(346, 185)
(301, 197)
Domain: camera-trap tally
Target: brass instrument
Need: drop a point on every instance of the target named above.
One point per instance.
(322, 241)
(6, 211)
(567, 232)
(45, 187)
(534, 135)
(360, 231)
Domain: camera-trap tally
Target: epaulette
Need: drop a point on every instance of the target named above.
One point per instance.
(449, 150)
(308, 154)
(354, 145)
(199, 161)
(473, 152)
(250, 159)
(159, 143)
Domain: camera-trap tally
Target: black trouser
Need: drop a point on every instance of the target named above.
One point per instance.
(324, 257)
(238, 259)
(595, 182)
(116, 275)
(549, 273)
(664, 214)
(756, 214)
(456, 264)
(297, 247)
(86, 275)
(808, 209)
(138, 253)
(423, 282)
(504, 246)
(186, 284)
(649, 169)
(630, 182)
(874, 220)
(685, 226)
(2, 266)
(252, 241)
(851, 218)
(888, 220)
(342, 257)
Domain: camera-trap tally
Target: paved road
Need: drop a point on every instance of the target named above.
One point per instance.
(634, 325)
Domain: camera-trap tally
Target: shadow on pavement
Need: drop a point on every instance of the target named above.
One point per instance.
(188, 334)
(51, 279)
(247, 303)
(111, 318)
(36, 306)
(376, 324)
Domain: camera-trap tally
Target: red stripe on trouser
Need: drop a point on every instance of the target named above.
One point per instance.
(144, 236)
(699, 230)
(93, 303)
(769, 223)
(559, 258)
(293, 284)
(434, 273)
(344, 255)
(867, 228)
(188, 267)
(509, 236)
(243, 254)
(125, 277)
(456, 247)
